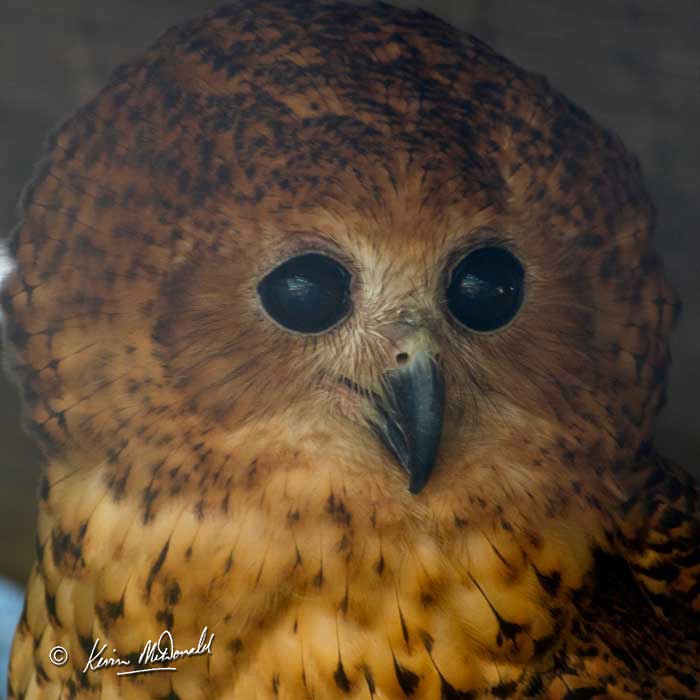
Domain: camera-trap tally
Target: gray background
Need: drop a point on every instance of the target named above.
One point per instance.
(634, 64)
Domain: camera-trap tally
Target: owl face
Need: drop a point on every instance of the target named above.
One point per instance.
(434, 331)
(411, 254)
(310, 293)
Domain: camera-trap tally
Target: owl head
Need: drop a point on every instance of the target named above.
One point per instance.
(357, 246)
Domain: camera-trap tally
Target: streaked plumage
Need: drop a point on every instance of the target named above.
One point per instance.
(208, 467)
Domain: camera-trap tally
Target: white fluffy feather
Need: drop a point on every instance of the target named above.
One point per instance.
(7, 265)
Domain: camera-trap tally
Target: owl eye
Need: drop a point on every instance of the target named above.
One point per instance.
(309, 293)
(485, 289)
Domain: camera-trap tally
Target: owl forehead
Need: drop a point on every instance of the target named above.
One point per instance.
(305, 105)
(308, 92)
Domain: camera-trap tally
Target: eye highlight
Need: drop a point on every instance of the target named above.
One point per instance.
(485, 290)
(309, 293)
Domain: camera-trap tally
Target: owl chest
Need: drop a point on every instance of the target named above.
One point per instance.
(302, 613)
(341, 622)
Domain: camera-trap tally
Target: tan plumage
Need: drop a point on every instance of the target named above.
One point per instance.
(206, 467)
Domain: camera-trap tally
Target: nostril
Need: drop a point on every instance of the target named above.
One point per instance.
(402, 358)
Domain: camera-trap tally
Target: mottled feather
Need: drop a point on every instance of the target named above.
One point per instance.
(207, 468)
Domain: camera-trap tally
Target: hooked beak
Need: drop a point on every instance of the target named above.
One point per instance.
(409, 420)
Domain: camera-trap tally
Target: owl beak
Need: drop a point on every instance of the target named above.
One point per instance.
(409, 420)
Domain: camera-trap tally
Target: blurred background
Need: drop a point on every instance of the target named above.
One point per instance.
(634, 64)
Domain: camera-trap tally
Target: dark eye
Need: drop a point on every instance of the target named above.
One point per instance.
(485, 290)
(309, 293)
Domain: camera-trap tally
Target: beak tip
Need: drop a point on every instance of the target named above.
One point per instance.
(416, 486)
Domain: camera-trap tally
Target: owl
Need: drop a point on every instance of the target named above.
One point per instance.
(343, 337)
